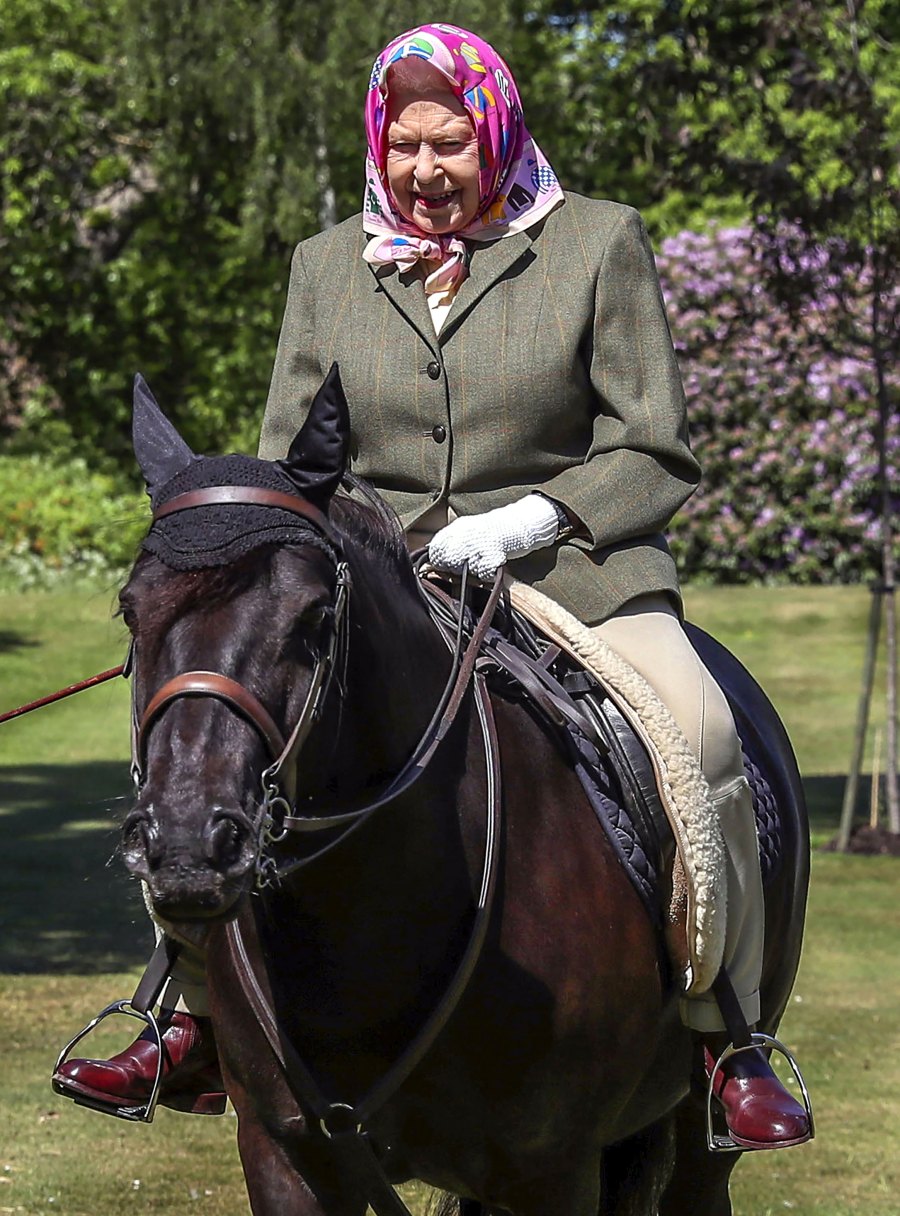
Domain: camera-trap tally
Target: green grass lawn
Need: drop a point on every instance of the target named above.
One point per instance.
(74, 935)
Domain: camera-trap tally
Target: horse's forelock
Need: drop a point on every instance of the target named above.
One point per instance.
(172, 593)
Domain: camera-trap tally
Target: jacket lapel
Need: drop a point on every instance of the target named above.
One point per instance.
(407, 295)
(489, 261)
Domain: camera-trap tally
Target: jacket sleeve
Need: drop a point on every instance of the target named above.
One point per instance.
(639, 468)
(296, 375)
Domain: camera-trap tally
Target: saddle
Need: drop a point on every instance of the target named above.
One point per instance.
(638, 773)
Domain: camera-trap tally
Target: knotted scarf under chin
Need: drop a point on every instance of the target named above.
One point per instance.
(407, 250)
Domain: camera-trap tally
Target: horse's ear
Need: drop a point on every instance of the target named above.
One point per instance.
(318, 455)
(160, 450)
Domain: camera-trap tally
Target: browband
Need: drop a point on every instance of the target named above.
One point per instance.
(250, 496)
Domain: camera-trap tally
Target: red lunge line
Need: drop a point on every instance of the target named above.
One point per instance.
(64, 692)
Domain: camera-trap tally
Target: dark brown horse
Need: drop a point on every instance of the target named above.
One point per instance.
(559, 1083)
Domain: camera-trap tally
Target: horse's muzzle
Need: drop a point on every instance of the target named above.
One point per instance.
(191, 874)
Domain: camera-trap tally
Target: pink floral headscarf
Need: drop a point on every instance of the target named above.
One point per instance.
(517, 185)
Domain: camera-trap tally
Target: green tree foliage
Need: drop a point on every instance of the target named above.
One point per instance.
(696, 109)
(161, 158)
(54, 527)
(60, 159)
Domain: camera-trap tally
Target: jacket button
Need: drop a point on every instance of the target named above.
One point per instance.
(439, 434)
(434, 370)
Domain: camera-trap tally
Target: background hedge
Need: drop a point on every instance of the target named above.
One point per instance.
(783, 419)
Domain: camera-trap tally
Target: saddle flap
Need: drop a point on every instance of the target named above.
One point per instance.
(681, 786)
(666, 794)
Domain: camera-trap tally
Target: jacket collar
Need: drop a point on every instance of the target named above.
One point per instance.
(488, 262)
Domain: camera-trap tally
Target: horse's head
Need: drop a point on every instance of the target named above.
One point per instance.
(230, 606)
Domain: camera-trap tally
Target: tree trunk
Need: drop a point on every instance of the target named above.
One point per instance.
(888, 565)
(848, 809)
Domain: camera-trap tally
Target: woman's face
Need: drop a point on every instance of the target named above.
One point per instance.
(432, 159)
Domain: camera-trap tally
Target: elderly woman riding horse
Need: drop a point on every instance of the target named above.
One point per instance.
(514, 396)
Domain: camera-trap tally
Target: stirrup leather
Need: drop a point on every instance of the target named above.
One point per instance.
(141, 1112)
(718, 1143)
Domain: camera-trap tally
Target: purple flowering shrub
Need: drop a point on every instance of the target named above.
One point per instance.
(782, 420)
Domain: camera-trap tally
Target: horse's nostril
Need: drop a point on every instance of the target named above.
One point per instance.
(140, 841)
(134, 831)
(226, 837)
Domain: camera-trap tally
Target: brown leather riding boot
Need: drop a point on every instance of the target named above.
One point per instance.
(191, 1080)
(758, 1110)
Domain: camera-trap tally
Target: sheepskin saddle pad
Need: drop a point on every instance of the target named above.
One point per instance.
(698, 900)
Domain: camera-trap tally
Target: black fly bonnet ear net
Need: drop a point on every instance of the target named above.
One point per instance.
(218, 534)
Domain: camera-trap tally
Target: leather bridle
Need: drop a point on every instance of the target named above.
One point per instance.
(282, 750)
(278, 815)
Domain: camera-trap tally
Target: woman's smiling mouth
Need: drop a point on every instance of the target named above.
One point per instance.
(435, 201)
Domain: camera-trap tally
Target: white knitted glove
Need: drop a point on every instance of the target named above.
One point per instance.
(487, 541)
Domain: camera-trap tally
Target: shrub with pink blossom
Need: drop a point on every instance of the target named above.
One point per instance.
(783, 418)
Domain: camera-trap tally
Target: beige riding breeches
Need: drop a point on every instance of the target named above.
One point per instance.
(647, 633)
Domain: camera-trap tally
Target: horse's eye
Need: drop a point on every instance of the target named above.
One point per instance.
(314, 616)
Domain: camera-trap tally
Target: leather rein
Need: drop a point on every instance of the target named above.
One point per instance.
(343, 1123)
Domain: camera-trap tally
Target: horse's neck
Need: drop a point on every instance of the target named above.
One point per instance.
(384, 908)
(396, 671)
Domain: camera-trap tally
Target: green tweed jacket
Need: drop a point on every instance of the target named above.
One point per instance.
(554, 371)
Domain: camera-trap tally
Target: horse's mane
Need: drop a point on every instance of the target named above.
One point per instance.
(362, 514)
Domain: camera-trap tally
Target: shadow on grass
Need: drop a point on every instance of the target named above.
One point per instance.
(824, 799)
(824, 795)
(66, 903)
(12, 639)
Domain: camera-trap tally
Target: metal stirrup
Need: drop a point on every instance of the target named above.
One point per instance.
(717, 1143)
(141, 1112)
(139, 1006)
